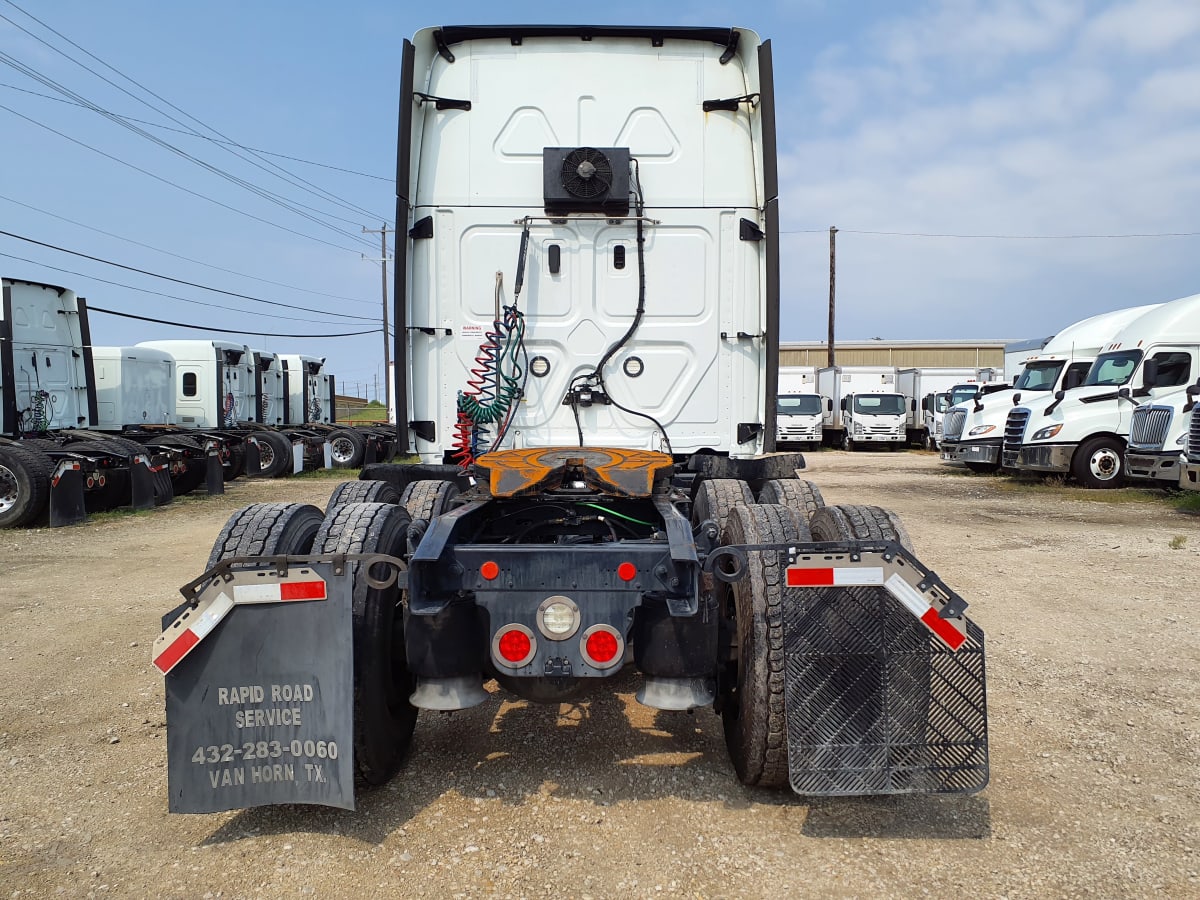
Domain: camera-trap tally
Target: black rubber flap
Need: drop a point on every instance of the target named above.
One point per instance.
(66, 498)
(260, 712)
(875, 703)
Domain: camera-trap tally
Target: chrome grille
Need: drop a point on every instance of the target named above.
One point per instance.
(1014, 435)
(1148, 427)
(1193, 446)
(953, 424)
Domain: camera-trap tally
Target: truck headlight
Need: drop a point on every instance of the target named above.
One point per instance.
(1046, 433)
(980, 429)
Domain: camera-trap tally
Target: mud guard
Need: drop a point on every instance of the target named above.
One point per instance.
(66, 495)
(253, 458)
(214, 473)
(885, 681)
(141, 483)
(260, 691)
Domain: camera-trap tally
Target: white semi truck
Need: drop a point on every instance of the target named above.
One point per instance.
(1158, 434)
(930, 391)
(596, 489)
(1083, 431)
(973, 431)
(865, 406)
(1189, 475)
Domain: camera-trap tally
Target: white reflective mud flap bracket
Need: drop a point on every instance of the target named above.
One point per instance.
(260, 692)
(884, 688)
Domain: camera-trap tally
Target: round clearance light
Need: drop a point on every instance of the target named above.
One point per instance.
(633, 366)
(602, 646)
(514, 646)
(489, 570)
(558, 617)
(539, 367)
(627, 571)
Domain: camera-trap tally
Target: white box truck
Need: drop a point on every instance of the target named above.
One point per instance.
(930, 391)
(973, 431)
(1083, 431)
(865, 407)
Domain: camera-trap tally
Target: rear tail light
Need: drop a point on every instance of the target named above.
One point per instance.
(514, 646)
(602, 646)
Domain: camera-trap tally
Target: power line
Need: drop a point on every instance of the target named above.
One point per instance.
(290, 287)
(291, 178)
(1005, 237)
(292, 206)
(123, 315)
(173, 184)
(140, 290)
(211, 140)
(203, 287)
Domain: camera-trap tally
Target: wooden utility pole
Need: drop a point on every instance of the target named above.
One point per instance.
(832, 284)
(383, 232)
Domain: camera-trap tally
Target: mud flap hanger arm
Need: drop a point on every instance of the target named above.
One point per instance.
(953, 606)
(226, 570)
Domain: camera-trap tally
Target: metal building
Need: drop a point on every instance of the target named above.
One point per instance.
(902, 354)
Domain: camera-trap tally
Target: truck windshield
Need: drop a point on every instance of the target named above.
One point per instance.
(1113, 369)
(961, 393)
(803, 405)
(879, 404)
(1039, 376)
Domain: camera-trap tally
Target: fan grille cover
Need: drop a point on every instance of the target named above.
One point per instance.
(586, 179)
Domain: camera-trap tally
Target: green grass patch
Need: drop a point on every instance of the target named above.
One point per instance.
(328, 475)
(1187, 501)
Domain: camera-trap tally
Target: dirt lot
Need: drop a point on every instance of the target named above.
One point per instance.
(1092, 613)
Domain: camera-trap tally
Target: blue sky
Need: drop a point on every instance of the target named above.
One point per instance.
(1027, 119)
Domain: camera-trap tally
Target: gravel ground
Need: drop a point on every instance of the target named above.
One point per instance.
(1092, 614)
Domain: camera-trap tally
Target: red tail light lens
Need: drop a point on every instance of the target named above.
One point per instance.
(627, 571)
(602, 646)
(514, 645)
(489, 570)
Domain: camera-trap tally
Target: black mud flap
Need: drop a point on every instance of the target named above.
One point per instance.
(214, 472)
(884, 689)
(260, 692)
(141, 483)
(66, 495)
(253, 458)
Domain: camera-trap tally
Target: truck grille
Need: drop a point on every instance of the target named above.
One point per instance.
(1148, 427)
(1193, 446)
(953, 424)
(1014, 435)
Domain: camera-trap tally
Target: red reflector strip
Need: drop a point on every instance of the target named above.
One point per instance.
(834, 577)
(302, 590)
(178, 649)
(276, 592)
(943, 629)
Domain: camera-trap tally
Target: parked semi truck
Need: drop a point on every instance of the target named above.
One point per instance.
(1083, 431)
(1189, 475)
(581, 506)
(50, 420)
(1158, 435)
(973, 431)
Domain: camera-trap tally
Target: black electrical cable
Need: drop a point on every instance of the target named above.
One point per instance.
(256, 333)
(203, 287)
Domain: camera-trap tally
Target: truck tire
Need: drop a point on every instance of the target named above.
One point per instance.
(802, 497)
(274, 454)
(384, 718)
(428, 499)
(267, 529)
(716, 497)
(983, 468)
(347, 448)
(858, 523)
(235, 466)
(752, 703)
(1099, 463)
(24, 485)
(362, 492)
(847, 444)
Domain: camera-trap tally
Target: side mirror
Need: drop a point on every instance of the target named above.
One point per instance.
(843, 404)
(1193, 390)
(1149, 374)
(1058, 395)
(828, 405)
(1125, 394)
(914, 404)
(1016, 398)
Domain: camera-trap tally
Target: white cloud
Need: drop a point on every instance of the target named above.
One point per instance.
(1144, 26)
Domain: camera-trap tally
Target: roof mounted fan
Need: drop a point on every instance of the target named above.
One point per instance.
(586, 180)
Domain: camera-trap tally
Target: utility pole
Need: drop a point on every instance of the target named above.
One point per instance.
(832, 282)
(383, 231)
